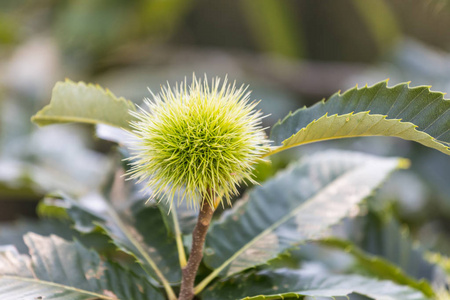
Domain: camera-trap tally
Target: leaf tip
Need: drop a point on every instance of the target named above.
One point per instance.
(36, 118)
(33, 120)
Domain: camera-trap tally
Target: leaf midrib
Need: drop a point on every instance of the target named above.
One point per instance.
(58, 285)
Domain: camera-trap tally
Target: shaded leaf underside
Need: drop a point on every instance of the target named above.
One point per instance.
(415, 114)
(61, 270)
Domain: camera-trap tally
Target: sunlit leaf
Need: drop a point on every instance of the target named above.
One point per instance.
(85, 103)
(415, 114)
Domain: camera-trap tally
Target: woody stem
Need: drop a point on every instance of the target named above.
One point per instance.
(198, 240)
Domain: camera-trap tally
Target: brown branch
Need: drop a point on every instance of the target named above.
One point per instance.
(198, 240)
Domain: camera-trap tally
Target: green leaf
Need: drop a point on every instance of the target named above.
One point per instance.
(58, 270)
(378, 266)
(85, 103)
(415, 114)
(139, 232)
(11, 233)
(285, 283)
(298, 205)
(385, 237)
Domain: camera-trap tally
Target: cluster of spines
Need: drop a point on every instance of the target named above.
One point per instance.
(201, 140)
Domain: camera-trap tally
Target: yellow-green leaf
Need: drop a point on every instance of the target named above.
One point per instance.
(85, 103)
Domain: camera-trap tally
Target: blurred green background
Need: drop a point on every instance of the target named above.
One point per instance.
(291, 53)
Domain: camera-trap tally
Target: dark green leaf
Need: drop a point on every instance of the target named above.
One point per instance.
(59, 270)
(415, 114)
(11, 233)
(186, 217)
(378, 266)
(139, 232)
(387, 239)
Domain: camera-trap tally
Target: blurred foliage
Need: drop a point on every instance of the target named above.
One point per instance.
(291, 52)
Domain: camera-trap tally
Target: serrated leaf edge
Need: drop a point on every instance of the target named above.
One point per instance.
(439, 144)
(40, 115)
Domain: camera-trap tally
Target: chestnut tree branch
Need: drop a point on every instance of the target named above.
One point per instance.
(198, 240)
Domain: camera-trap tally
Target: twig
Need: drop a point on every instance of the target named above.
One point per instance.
(198, 240)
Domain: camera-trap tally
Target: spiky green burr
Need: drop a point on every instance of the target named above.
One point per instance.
(199, 141)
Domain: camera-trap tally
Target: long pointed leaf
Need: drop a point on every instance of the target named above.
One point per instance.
(415, 114)
(299, 204)
(59, 270)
